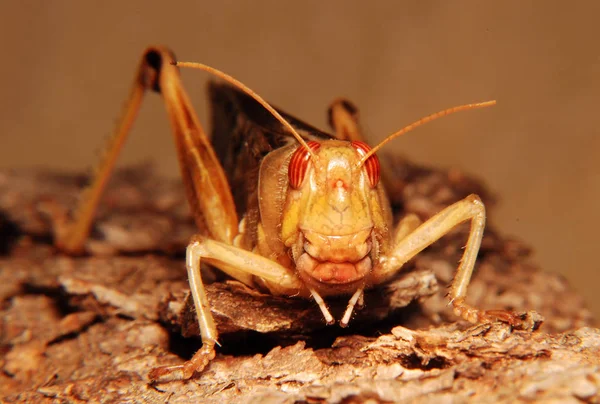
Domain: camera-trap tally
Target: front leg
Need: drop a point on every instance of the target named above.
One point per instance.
(239, 264)
(206, 322)
(471, 208)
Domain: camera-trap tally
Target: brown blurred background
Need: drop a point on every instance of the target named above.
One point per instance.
(67, 66)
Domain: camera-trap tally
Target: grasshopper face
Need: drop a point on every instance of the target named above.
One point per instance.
(332, 219)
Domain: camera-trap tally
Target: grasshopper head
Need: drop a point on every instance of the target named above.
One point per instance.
(333, 220)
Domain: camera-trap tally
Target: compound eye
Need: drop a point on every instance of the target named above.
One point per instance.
(299, 164)
(371, 165)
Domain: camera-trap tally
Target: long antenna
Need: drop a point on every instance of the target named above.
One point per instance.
(423, 121)
(252, 94)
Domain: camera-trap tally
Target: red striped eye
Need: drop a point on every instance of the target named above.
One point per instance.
(371, 165)
(299, 164)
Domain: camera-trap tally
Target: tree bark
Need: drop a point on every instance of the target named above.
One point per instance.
(90, 328)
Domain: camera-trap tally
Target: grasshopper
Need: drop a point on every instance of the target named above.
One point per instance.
(315, 217)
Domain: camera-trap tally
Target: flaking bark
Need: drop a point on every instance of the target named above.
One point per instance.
(90, 328)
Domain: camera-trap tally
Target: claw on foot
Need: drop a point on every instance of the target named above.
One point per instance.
(166, 374)
(509, 317)
(527, 321)
(185, 371)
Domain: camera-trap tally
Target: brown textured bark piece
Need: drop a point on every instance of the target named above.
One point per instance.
(90, 328)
